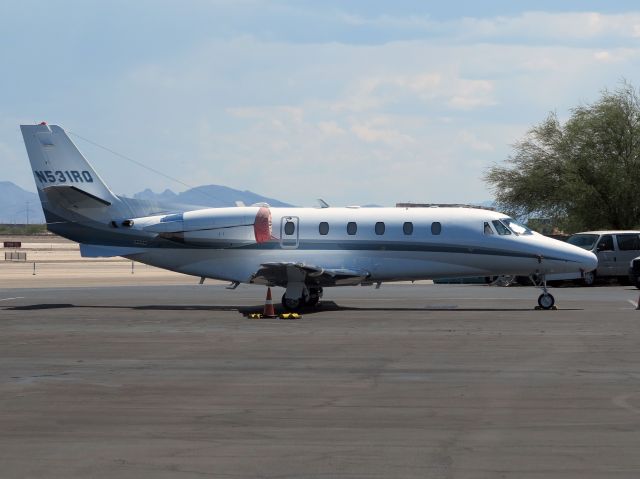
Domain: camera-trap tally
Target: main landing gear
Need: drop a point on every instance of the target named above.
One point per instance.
(546, 299)
(298, 299)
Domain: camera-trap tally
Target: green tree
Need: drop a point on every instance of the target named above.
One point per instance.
(582, 175)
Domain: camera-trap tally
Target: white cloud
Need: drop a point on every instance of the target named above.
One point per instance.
(371, 93)
(385, 21)
(474, 142)
(390, 137)
(470, 94)
(361, 97)
(529, 26)
(280, 117)
(616, 56)
(423, 84)
(330, 128)
(602, 56)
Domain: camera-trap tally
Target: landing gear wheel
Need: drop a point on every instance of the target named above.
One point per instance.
(546, 301)
(292, 304)
(314, 296)
(589, 278)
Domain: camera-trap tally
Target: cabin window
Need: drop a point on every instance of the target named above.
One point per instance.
(628, 242)
(436, 228)
(500, 228)
(352, 228)
(323, 228)
(605, 243)
(487, 228)
(407, 228)
(379, 228)
(289, 228)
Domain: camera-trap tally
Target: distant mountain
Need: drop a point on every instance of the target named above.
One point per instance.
(209, 195)
(18, 205)
(166, 195)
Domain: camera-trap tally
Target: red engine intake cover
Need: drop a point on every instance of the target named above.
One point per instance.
(262, 226)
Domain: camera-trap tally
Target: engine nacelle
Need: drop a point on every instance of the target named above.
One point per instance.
(221, 227)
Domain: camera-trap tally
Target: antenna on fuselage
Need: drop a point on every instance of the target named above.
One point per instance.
(322, 203)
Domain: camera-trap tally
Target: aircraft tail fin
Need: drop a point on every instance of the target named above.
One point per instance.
(76, 201)
(56, 161)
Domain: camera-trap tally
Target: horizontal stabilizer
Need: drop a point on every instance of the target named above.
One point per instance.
(73, 197)
(97, 251)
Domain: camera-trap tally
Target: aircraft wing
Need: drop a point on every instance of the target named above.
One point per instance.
(279, 274)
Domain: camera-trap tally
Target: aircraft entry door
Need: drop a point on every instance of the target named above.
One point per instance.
(289, 237)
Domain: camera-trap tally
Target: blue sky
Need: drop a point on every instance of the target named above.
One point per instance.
(354, 102)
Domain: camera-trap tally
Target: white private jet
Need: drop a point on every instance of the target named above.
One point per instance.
(300, 249)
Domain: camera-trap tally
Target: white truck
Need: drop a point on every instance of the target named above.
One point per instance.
(615, 251)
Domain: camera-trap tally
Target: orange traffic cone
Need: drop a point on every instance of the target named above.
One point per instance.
(269, 311)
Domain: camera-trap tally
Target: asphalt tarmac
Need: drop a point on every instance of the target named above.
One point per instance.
(410, 381)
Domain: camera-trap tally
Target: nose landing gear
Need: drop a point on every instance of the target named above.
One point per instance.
(546, 299)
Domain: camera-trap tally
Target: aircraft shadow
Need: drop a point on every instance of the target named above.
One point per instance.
(323, 307)
(155, 307)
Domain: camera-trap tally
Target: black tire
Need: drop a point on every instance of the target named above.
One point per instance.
(291, 304)
(546, 301)
(314, 297)
(589, 278)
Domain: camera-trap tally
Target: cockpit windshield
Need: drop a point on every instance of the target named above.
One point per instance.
(501, 228)
(583, 241)
(516, 227)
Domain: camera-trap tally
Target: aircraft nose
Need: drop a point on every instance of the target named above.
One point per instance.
(579, 258)
(589, 262)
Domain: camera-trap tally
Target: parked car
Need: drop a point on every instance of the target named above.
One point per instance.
(614, 249)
